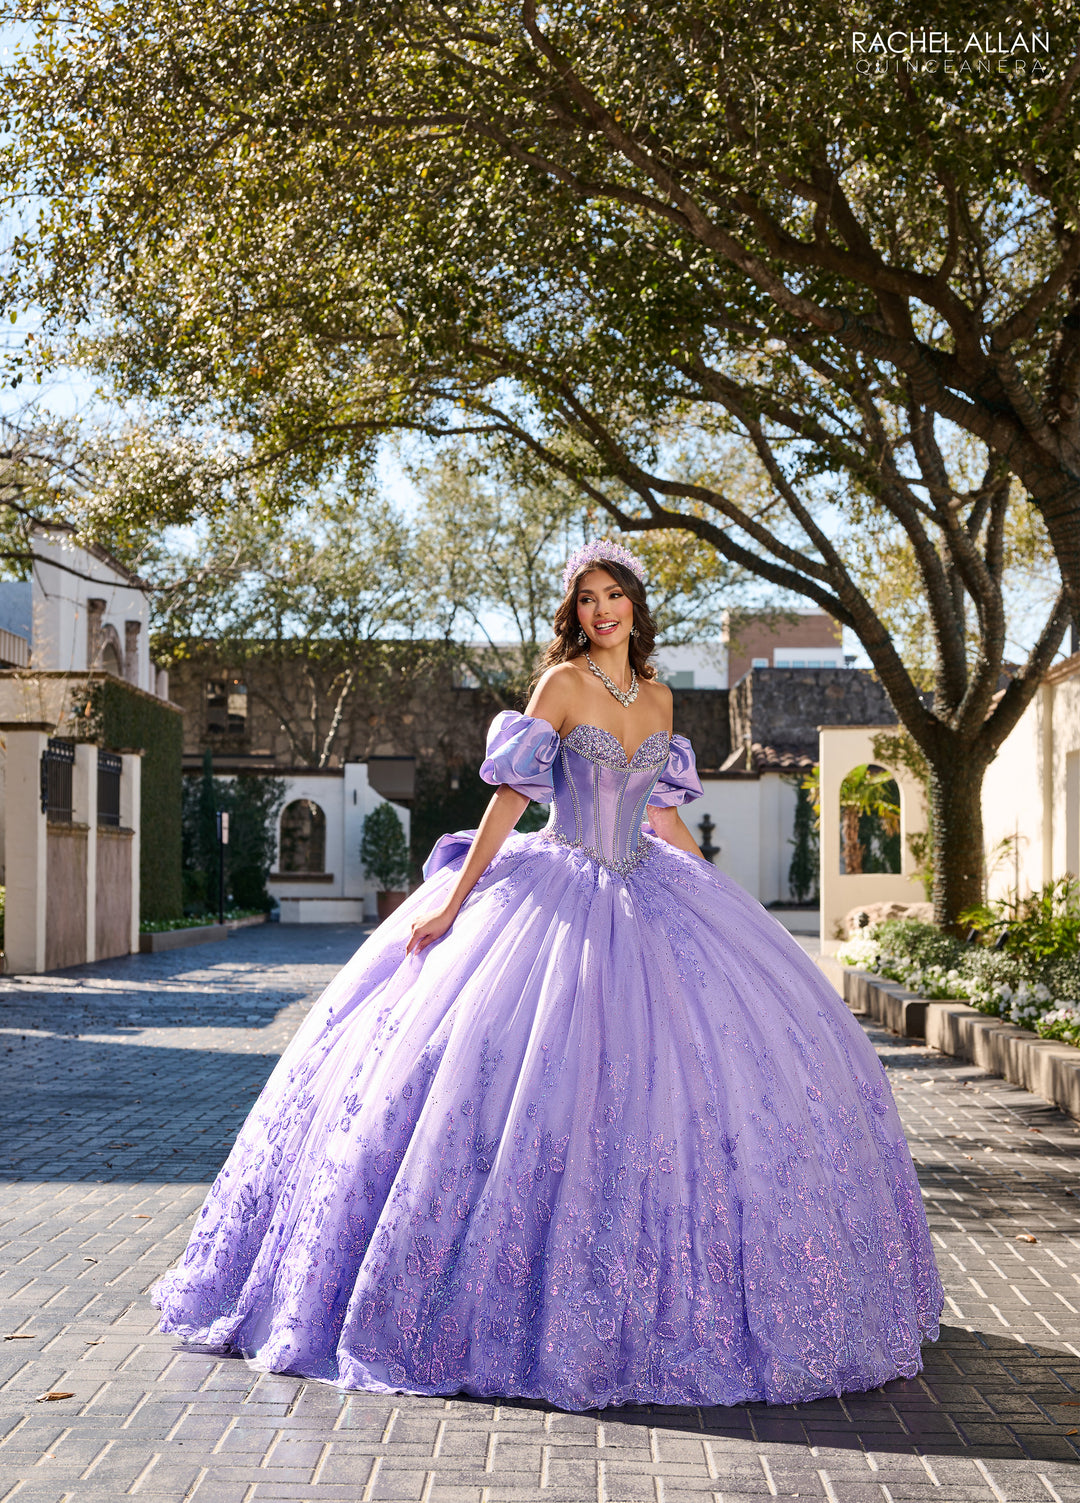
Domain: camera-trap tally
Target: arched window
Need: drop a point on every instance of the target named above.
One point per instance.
(869, 821)
(112, 658)
(303, 837)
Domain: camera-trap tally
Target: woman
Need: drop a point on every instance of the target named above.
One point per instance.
(580, 1122)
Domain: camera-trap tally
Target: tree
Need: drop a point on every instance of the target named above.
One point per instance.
(803, 871)
(384, 850)
(606, 239)
(317, 597)
(490, 549)
(45, 469)
(869, 806)
(253, 803)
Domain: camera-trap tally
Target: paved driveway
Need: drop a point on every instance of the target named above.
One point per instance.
(121, 1088)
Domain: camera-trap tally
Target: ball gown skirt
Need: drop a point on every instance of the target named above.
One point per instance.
(612, 1139)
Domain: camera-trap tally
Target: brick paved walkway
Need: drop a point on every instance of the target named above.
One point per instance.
(121, 1088)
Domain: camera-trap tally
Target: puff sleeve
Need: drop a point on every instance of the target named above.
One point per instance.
(520, 752)
(679, 782)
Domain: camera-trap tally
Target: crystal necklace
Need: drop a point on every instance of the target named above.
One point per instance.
(626, 698)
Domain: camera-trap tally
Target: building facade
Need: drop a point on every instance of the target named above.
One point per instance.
(85, 760)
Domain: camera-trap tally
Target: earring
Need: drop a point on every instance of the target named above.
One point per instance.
(582, 638)
(633, 629)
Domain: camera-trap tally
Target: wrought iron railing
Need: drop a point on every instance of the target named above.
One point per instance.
(57, 769)
(109, 769)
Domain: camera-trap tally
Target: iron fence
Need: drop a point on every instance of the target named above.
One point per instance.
(109, 768)
(57, 768)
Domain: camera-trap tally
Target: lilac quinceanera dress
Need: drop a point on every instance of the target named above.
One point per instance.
(611, 1139)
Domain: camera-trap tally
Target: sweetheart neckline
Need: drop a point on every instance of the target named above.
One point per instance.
(586, 725)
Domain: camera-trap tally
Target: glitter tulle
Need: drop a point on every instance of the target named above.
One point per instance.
(612, 1139)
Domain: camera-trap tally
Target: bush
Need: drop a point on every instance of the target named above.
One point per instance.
(1044, 925)
(1030, 986)
(383, 850)
(253, 803)
(119, 716)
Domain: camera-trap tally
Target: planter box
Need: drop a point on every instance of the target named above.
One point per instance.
(887, 1002)
(1042, 1066)
(387, 903)
(179, 939)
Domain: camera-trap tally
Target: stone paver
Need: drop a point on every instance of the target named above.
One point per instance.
(121, 1087)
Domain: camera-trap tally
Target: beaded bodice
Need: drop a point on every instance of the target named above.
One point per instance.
(600, 796)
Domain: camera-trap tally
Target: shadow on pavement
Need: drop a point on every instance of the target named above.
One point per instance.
(123, 1113)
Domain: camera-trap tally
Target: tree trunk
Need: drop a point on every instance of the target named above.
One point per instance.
(849, 835)
(956, 811)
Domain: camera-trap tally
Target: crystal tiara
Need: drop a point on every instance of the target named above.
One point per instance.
(597, 552)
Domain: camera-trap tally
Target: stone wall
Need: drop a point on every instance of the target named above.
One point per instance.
(784, 706)
(702, 715)
(402, 704)
(409, 706)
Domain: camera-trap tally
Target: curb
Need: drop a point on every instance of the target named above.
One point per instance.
(1042, 1066)
(198, 934)
(179, 939)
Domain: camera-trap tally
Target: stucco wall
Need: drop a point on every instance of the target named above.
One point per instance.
(754, 819)
(61, 617)
(112, 928)
(1031, 792)
(65, 897)
(842, 748)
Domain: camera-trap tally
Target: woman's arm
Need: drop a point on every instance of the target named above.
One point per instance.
(669, 827)
(548, 703)
(504, 810)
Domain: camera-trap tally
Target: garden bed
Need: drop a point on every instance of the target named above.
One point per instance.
(1046, 1067)
(1029, 975)
(178, 938)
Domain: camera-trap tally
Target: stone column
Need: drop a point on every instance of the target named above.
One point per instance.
(95, 616)
(131, 819)
(131, 651)
(84, 809)
(25, 855)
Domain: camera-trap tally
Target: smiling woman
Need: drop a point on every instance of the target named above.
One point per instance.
(580, 1121)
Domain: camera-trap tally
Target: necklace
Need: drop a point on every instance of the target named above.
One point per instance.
(626, 698)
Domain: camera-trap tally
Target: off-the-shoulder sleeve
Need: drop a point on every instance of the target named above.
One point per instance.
(679, 782)
(520, 751)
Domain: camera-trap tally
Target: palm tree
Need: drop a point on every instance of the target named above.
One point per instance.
(867, 790)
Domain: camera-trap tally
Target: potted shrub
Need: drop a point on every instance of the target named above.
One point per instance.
(385, 857)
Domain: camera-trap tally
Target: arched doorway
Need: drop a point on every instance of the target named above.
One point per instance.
(303, 838)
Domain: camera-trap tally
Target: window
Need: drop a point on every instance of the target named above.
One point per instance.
(759, 662)
(303, 838)
(226, 707)
(682, 678)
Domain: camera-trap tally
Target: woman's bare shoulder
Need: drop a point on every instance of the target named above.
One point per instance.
(554, 692)
(658, 696)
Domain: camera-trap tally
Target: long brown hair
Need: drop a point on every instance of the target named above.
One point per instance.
(564, 646)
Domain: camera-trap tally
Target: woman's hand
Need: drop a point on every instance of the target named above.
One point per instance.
(669, 827)
(430, 927)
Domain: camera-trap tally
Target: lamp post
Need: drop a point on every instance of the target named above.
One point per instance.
(223, 840)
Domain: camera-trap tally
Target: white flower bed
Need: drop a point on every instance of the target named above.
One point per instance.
(1029, 1005)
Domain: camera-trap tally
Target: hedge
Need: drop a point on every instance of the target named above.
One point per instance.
(122, 718)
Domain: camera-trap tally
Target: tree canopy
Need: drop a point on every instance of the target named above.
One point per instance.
(691, 258)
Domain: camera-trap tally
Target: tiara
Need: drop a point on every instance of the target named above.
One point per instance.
(597, 552)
